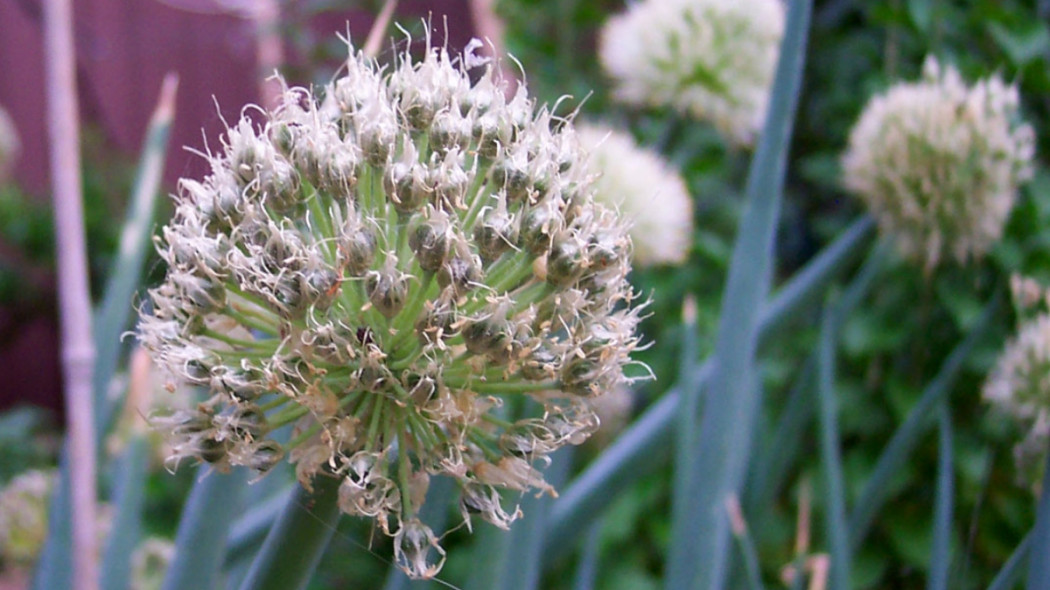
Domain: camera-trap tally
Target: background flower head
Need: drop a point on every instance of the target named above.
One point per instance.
(646, 190)
(939, 162)
(710, 59)
(1019, 386)
(23, 516)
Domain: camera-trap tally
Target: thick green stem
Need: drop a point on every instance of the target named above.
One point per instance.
(297, 541)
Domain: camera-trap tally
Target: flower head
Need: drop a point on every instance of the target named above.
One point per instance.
(1019, 385)
(711, 59)
(938, 163)
(23, 516)
(396, 265)
(646, 190)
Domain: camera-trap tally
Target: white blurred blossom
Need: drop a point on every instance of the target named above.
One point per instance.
(149, 563)
(710, 59)
(646, 189)
(23, 516)
(1019, 386)
(938, 163)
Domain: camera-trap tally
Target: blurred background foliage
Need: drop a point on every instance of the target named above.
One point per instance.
(892, 345)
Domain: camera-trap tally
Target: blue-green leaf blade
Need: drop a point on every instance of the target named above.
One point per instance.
(1039, 549)
(1013, 569)
(940, 554)
(128, 500)
(699, 545)
(111, 319)
(831, 457)
(200, 543)
(522, 568)
(900, 446)
(297, 541)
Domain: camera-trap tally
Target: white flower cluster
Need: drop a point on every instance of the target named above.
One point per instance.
(648, 192)
(710, 59)
(1019, 385)
(23, 517)
(938, 163)
(402, 267)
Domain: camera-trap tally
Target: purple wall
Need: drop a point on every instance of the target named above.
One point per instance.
(124, 49)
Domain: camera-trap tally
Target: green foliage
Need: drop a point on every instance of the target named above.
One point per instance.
(27, 441)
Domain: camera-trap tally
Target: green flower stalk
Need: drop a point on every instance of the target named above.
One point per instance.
(395, 265)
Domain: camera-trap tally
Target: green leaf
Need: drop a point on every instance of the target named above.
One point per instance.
(642, 448)
(247, 533)
(297, 541)
(1008, 577)
(490, 554)
(249, 530)
(907, 435)
(831, 457)
(771, 466)
(690, 383)
(111, 319)
(52, 571)
(940, 555)
(200, 542)
(746, 546)
(699, 549)
(921, 13)
(1028, 42)
(590, 556)
(522, 568)
(128, 499)
(831, 453)
(1039, 566)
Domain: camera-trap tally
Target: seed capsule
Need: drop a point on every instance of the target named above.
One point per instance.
(437, 321)
(494, 235)
(319, 286)
(357, 250)
(537, 229)
(267, 455)
(387, 290)
(460, 272)
(566, 262)
(405, 185)
(431, 241)
(540, 365)
(211, 450)
(248, 421)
